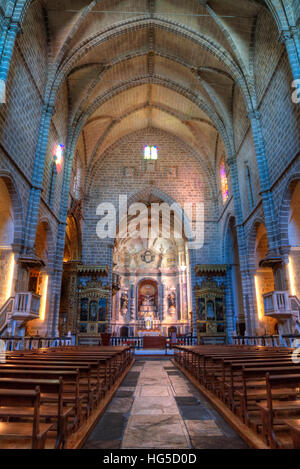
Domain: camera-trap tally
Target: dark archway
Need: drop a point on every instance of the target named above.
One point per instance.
(124, 331)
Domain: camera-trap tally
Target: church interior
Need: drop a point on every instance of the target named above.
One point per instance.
(149, 224)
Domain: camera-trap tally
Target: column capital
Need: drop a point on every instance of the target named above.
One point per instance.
(284, 250)
(48, 108)
(254, 114)
(287, 34)
(15, 27)
(231, 160)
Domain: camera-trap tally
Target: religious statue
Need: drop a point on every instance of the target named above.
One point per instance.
(124, 303)
(93, 311)
(172, 300)
(148, 306)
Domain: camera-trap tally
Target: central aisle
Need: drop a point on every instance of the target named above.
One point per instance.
(157, 407)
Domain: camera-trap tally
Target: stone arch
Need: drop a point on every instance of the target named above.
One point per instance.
(289, 225)
(209, 177)
(284, 211)
(72, 251)
(263, 277)
(192, 148)
(10, 235)
(252, 236)
(164, 197)
(18, 214)
(44, 244)
(121, 87)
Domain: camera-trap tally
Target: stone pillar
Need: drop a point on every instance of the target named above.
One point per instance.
(184, 295)
(132, 303)
(291, 39)
(249, 315)
(230, 316)
(61, 232)
(37, 179)
(263, 173)
(7, 43)
(179, 301)
(161, 302)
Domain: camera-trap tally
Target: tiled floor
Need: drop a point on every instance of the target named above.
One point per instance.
(157, 407)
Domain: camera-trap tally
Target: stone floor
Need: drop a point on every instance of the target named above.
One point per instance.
(157, 407)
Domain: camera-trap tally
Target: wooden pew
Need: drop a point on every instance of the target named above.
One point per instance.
(294, 426)
(276, 411)
(237, 376)
(33, 430)
(58, 412)
(87, 374)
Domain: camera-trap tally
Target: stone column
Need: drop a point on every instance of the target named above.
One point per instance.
(264, 179)
(37, 179)
(248, 293)
(291, 39)
(179, 300)
(230, 316)
(133, 302)
(7, 43)
(161, 301)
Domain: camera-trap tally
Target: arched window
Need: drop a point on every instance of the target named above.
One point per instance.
(249, 186)
(224, 182)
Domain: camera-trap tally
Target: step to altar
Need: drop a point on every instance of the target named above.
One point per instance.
(153, 352)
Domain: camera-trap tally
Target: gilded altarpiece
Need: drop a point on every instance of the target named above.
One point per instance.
(210, 302)
(84, 300)
(93, 300)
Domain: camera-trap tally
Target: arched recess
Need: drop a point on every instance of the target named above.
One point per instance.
(72, 250)
(263, 279)
(40, 277)
(232, 260)
(294, 239)
(7, 235)
(152, 259)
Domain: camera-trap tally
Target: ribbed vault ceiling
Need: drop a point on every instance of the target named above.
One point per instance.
(135, 64)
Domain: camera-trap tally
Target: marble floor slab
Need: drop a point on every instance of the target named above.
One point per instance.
(203, 428)
(154, 406)
(154, 391)
(120, 405)
(155, 431)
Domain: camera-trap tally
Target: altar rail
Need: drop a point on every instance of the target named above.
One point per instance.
(137, 342)
(30, 343)
(268, 340)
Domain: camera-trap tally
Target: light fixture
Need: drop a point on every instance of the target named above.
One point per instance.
(44, 298)
(258, 299)
(10, 277)
(292, 277)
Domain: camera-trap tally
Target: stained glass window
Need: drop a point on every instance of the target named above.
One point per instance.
(224, 182)
(150, 153)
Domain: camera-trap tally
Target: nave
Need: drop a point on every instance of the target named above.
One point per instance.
(157, 407)
(204, 397)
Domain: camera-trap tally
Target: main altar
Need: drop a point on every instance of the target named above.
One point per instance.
(154, 295)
